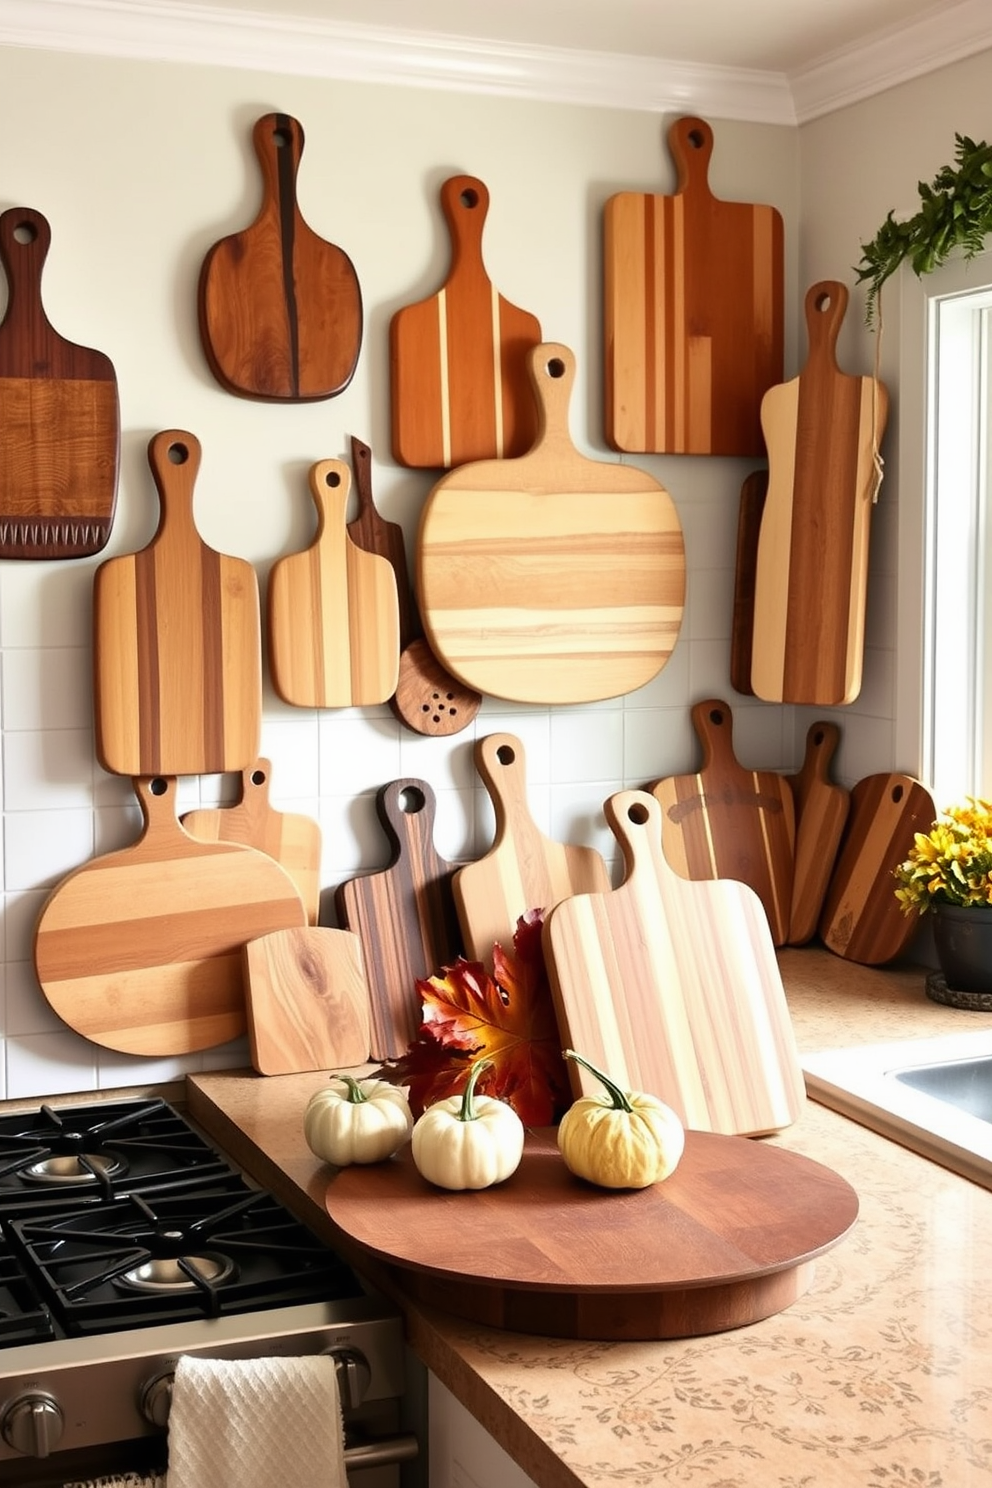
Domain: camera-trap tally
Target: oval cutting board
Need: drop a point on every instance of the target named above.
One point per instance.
(551, 578)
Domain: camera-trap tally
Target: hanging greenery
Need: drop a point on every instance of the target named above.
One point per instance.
(955, 212)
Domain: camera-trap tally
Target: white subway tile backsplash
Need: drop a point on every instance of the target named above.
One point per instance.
(587, 745)
(357, 755)
(48, 770)
(20, 916)
(41, 847)
(28, 1011)
(657, 743)
(45, 604)
(47, 689)
(58, 1063)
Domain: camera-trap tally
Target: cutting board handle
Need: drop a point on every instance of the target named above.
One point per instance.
(825, 306)
(714, 726)
(157, 796)
(635, 819)
(25, 238)
(690, 141)
(502, 765)
(330, 482)
(552, 372)
(465, 203)
(406, 810)
(278, 140)
(174, 456)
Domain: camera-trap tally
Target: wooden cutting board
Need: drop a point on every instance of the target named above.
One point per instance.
(140, 950)
(307, 1001)
(551, 578)
(403, 915)
(730, 1238)
(822, 431)
(177, 644)
(752, 504)
(292, 839)
(280, 309)
(821, 812)
(693, 300)
(729, 822)
(333, 611)
(59, 416)
(672, 987)
(458, 378)
(861, 919)
(524, 869)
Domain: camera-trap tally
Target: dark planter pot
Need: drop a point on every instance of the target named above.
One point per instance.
(962, 938)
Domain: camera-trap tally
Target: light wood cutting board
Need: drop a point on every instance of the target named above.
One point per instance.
(177, 641)
(551, 578)
(822, 431)
(333, 611)
(307, 1001)
(292, 839)
(821, 812)
(140, 950)
(523, 869)
(693, 300)
(672, 987)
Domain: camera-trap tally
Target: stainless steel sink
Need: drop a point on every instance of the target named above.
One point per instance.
(933, 1095)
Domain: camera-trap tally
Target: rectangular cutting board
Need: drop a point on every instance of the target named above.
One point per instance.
(307, 1001)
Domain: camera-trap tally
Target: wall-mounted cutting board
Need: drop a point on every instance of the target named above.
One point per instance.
(458, 376)
(333, 611)
(861, 919)
(673, 987)
(693, 300)
(403, 915)
(280, 309)
(140, 950)
(307, 1001)
(730, 822)
(752, 504)
(59, 416)
(821, 812)
(292, 839)
(551, 578)
(177, 641)
(523, 869)
(822, 431)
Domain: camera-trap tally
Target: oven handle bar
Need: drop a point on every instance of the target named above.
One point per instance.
(382, 1453)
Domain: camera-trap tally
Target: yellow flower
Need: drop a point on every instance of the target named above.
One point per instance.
(950, 864)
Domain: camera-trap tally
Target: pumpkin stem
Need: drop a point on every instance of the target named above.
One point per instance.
(467, 1112)
(355, 1092)
(619, 1098)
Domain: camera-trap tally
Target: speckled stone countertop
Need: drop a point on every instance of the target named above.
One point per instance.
(880, 1375)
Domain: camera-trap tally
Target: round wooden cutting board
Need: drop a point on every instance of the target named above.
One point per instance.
(729, 1239)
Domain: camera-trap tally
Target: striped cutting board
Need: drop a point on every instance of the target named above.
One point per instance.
(821, 812)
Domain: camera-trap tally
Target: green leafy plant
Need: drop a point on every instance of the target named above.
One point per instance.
(955, 212)
(950, 864)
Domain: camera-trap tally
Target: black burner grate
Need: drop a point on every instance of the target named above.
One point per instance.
(23, 1318)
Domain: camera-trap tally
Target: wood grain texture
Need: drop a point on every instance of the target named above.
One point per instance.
(752, 504)
(333, 611)
(673, 987)
(551, 578)
(726, 1240)
(694, 319)
(59, 416)
(458, 379)
(403, 915)
(523, 869)
(861, 919)
(307, 1001)
(280, 309)
(292, 839)
(177, 641)
(822, 431)
(140, 950)
(821, 813)
(729, 822)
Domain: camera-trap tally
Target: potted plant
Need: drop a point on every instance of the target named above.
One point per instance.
(949, 872)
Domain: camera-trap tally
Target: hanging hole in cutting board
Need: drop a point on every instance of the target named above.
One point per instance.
(281, 138)
(696, 138)
(258, 777)
(897, 794)
(716, 716)
(638, 814)
(822, 303)
(411, 800)
(332, 478)
(556, 367)
(469, 198)
(158, 786)
(178, 453)
(25, 232)
(506, 754)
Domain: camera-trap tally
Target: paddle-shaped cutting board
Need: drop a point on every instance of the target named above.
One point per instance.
(333, 611)
(752, 504)
(140, 950)
(672, 987)
(458, 378)
(177, 642)
(730, 822)
(292, 839)
(693, 301)
(280, 309)
(403, 915)
(59, 416)
(551, 578)
(822, 430)
(861, 919)
(307, 1000)
(821, 812)
(524, 869)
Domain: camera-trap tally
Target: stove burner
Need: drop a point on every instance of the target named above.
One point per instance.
(75, 1168)
(179, 1274)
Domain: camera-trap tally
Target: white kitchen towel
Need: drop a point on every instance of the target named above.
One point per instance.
(256, 1423)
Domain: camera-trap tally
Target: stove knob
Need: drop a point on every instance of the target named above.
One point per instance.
(156, 1397)
(354, 1375)
(32, 1423)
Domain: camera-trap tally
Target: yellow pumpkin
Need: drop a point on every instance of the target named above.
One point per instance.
(619, 1138)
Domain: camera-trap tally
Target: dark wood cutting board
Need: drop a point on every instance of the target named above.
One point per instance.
(177, 641)
(752, 504)
(140, 950)
(821, 812)
(458, 374)
(403, 915)
(729, 822)
(861, 919)
(59, 416)
(730, 1238)
(280, 309)
(822, 431)
(693, 300)
(307, 1001)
